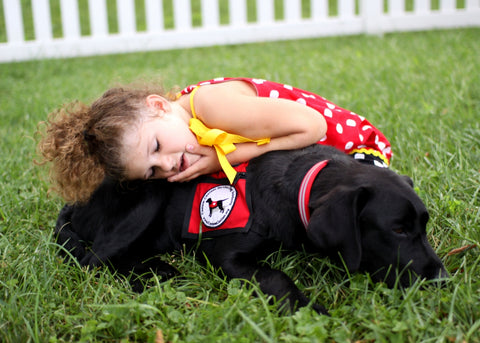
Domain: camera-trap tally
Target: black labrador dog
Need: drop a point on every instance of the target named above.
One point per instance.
(368, 218)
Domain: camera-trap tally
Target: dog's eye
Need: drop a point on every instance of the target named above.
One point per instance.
(399, 231)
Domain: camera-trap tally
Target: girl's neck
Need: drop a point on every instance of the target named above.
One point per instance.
(182, 109)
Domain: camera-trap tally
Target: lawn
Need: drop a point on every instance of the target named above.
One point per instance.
(421, 89)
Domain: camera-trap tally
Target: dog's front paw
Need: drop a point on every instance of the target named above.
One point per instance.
(167, 272)
(320, 309)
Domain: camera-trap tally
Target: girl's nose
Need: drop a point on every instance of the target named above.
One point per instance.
(166, 163)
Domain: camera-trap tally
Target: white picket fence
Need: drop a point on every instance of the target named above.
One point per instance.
(314, 19)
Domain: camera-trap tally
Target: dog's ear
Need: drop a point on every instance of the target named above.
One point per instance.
(123, 229)
(65, 236)
(334, 225)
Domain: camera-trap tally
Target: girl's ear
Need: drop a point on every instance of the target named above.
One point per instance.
(158, 103)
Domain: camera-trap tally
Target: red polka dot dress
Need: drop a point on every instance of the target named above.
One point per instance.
(346, 130)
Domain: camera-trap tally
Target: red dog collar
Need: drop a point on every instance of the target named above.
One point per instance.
(304, 192)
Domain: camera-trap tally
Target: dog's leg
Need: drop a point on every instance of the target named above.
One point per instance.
(141, 271)
(238, 259)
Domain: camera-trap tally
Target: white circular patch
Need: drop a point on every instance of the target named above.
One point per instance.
(351, 123)
(366, 127)
(216, 205)
(274, 93)
(301, 101)
(339, 128)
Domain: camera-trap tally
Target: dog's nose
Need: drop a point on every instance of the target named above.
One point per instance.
(438, 275)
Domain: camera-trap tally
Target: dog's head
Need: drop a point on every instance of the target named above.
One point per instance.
(378, 224)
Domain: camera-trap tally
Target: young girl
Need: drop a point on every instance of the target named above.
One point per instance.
(142, 134)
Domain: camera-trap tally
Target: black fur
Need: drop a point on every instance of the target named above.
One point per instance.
(370, 216)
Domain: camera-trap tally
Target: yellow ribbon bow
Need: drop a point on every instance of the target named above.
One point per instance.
(223, 142)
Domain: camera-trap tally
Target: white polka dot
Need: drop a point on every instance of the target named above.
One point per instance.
(361, 118)
(361, 138)
(219, 79)
(339, 128)
(205, 83)
(288, 87)
(351, 123)
(323, 139)
(376, 139)
(381, 145)
(274, 94)
(366, 127)
(301, 101)
(330, 106)
(308, 96)
(327, 113)
(348, 146)
(258, 81)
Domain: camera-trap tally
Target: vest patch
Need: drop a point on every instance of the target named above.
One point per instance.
(217, 204)
(218, 208)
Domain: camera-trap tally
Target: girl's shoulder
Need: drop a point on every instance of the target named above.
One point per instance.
(230, 88)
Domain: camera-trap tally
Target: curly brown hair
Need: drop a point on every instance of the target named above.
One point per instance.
(83, 143)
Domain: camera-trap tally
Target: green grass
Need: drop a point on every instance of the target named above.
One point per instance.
(421, 89)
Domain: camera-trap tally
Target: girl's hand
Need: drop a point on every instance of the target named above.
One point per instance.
(207, 164)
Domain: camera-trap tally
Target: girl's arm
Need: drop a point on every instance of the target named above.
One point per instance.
(235, 108)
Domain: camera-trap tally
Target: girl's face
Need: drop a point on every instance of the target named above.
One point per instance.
(156, 148)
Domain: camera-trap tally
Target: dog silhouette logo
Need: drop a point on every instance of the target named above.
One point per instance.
(213, 204)
(217, 204)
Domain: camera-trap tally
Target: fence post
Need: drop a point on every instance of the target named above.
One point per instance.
(13, 21)
(265, 11)
(210, 13)
(472, 4)
(97, 11)
(422, 6)
(293, 10)
(182, 14)
(126, 16)
(447, 5)
(154, 15)
(346, 8)
(70, 18)
(396, 7)
(371, 12)
(319, 9)
(42, 20)
(237, 11)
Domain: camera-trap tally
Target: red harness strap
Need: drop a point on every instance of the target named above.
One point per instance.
(304, 192)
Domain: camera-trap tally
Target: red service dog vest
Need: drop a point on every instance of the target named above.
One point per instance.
(217, 207)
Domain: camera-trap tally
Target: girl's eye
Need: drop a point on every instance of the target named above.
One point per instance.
(157, 146)
(152, 174)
